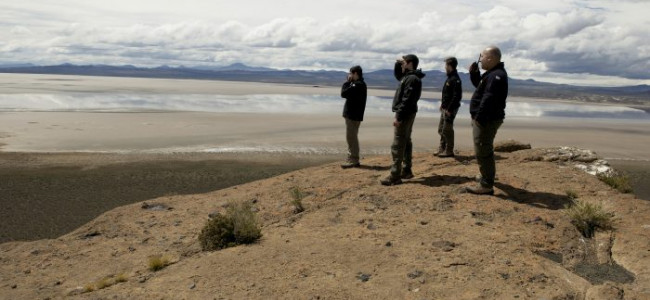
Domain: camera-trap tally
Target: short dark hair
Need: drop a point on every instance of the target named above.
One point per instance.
(357, 69)
(412, 58)
(452, 61)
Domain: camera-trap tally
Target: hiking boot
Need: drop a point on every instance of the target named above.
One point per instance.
(407, 173)
(446, 154)
(390, 180)
(350, 164)
(439, 151)
(479, 190)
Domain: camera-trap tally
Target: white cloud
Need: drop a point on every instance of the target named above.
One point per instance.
(560, 37)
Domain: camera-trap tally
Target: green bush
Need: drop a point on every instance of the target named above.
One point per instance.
(618, 182)
(237, 226)
(587, 217)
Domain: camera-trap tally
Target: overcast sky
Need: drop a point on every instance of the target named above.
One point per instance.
(596, 42)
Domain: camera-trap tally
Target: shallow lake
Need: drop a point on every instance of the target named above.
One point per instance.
(274, 103)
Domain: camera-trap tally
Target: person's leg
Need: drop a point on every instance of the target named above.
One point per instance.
(408, 149)
(448, 134)
(352, 137)
(441, 124)
(484, 148)
(397, 150)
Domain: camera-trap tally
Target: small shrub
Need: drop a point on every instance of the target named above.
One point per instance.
(296, 200)
(237, 226)
(89, 288)
(158, 262)
(618, 182)
(103, 283)
(244, 220)
(587, 217)
(121, 278)
(573, 195)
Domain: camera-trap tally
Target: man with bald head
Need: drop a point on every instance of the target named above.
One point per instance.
(487, 108)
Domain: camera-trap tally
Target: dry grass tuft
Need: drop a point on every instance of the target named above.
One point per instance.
(296, 200)
(587, 217)
(158, 262)
(618, 182)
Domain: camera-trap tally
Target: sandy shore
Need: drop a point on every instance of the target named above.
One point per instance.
(59, 170)
(167, 132)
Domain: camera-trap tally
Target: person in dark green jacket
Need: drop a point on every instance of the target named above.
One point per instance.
(355, 92)
(405, 106)
(452, 92)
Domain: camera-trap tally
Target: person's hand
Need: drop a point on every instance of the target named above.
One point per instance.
(473, 67)
(396, 123)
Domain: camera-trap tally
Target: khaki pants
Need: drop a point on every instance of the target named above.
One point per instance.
(352, 137)
(402, 147)
(484, 148)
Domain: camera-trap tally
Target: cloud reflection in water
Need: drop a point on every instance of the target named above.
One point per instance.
(302, 104)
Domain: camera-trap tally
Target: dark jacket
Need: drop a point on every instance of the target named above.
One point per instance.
(355, 94)
(489, 100)
(408, 93)
(452, 92)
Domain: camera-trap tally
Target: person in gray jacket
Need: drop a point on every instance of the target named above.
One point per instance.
(405, 106)
(355, 92)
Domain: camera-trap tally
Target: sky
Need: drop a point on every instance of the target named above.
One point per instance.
(595, 42)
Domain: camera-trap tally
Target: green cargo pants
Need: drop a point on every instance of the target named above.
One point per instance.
(446, 131)
(402, 147)
(484, 149)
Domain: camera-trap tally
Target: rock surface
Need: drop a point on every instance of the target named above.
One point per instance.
(358, 239)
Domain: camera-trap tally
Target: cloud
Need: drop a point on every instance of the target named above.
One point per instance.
(558, 37)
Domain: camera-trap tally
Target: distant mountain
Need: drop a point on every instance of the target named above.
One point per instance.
(380, 79)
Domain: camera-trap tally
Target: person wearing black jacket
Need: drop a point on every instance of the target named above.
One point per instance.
(354, 91)
(405, 106)
(487, 108)
(452, 92)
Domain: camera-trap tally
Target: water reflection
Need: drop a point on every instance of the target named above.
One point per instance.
(303, 104)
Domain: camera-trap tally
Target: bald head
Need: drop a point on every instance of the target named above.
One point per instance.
(490, 57)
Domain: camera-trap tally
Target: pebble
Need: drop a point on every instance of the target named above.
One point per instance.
(363, 277)
(414, 274)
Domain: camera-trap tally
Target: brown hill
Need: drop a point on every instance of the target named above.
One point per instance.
(359, 240)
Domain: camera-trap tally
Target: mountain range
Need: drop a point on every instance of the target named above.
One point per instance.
(380, 79)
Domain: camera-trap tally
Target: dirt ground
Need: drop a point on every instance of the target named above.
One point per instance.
(356, 239)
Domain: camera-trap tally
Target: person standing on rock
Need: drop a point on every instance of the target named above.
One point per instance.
(354, 91)
(487, 109)
(405, 106)
(452, 92)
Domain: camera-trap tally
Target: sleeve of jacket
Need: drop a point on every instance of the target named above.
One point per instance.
(457, 93)
(347, 89)
(475, 77)
(411, 93)
(397, 71)
(494, 84)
